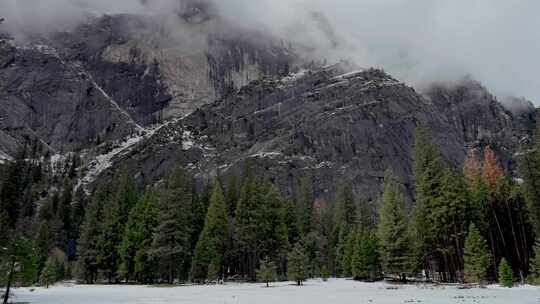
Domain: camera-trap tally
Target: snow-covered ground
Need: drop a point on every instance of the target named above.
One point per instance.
(336, 291)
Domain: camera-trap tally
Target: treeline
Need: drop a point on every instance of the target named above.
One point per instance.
(36, 218)
(468, 224)
(461, 227)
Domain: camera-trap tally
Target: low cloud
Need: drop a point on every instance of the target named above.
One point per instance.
(496, 42)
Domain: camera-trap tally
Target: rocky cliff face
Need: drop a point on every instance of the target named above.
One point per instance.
(128, 90)
(328, 125)
(45, 98)
(115, 75)
(157, 71)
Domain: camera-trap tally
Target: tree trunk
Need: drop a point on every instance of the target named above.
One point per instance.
(10, 278)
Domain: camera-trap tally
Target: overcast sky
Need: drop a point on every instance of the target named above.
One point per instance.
(420, 41)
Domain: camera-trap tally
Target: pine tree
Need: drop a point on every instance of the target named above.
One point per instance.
(365, 261)
(529, 166)
(534, 273)
(231, 198)
(297, 264)
(290, 221)
(247, 225)
(506, 276)
(18, 263)
(11, 188)
(126, 195)
(392, 229)
(171, 244)
(48, 274)
(87, 247)
(213, 273)
(449, 215)
(197, 215)
(267, 272)
(348, 253)
(272, 234)
(346, 209)
(137, 237)
(63, 213)
(213, 239)
(324, 273)
(108, 254)
(476, 256)
(428, 175)
(304, 206)
(78, 211)
(340, 236)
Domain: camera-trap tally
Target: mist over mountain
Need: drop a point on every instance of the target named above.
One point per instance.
(420, 42)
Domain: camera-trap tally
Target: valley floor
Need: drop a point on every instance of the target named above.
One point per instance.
(337, 291)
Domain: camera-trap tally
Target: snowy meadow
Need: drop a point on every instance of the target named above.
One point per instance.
(313, 292)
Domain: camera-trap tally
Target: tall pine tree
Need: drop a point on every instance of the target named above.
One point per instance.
(530, 170)
(428, 175)
(87, 264)
(476, 256)
(213, 239)
(137, 238)
(392, 229)
(171, 244)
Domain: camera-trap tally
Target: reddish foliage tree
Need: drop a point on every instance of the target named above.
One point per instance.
(492, 171)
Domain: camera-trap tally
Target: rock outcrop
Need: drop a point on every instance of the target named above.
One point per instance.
(328, 125)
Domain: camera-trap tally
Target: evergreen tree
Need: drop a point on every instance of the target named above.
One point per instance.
(231, 198)
(428, 175)
(534, 273)
(197, 214)
(137, 237)
(304, 206)
(213, 273)
(365, 261)
(346, 209)
(78, 211)
(449, 215)
(476, 256)
(530, 170)
(63, 214)
(11, 188)
(506, 276)
(48, 274)
(272, 235)
(392, 229)
(290, 221)
(324, 273)
(108, 254)
(247, 225)
(348, 253)
(87, 264)
(267, 272)
(213, 239)
(45, 241)
(297, 264)
(18, 263)
(340, 242)
(126, 195)
(171, 244)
